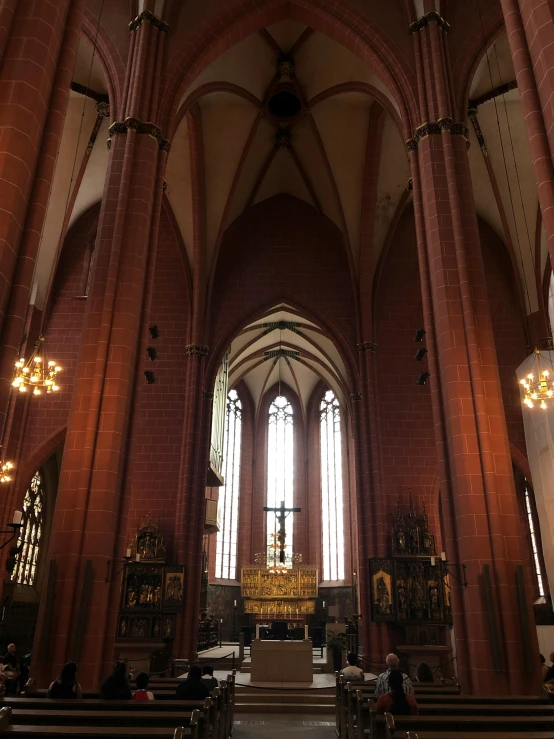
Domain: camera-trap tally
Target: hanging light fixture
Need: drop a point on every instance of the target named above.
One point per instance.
(538, 386)
(37, 373)
(5, 469)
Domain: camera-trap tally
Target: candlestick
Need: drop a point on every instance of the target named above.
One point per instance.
(17, 516)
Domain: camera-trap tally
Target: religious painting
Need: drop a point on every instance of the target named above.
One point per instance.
(140, 627)
(142, 587)
(381, 589)
(168, 627)
(123, 631)
(156, 627)
(174, 588)
(148, 545)
(411, 535)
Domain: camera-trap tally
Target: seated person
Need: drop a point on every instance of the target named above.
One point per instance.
(193, 688)
(209, 679)
(396, 701)
(424, 673)
(66, 686)
(352, 671)
(116, 686)
(141, 694)
(382, 684)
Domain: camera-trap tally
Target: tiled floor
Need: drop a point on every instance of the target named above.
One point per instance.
(279, 726)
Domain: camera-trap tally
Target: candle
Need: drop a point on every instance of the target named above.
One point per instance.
(137, 557)
(323, 604)
(235, 603)
(305, 631)
(128, 553)
(257, 631)
(17, 516)
(220, 620)
(432, 561)
(443, 556)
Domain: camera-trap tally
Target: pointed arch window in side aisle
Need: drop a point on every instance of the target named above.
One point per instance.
(31, 532)
(226, 547)
(332, 512)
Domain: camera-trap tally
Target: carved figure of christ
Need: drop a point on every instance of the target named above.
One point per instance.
(281, 514)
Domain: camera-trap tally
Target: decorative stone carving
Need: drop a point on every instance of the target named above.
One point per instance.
(147, 15)
(424, 21)
(197, 350)
(103, 109)
(434, 129)
(285, 66)
(364, 346)
(354, 397)
(150, 129)
(283, 137)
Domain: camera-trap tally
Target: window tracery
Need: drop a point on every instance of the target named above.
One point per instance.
(226, 546)
(280, 467)
(31, 532)
(332, 513)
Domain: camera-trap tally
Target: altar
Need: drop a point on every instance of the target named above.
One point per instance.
(281, 661)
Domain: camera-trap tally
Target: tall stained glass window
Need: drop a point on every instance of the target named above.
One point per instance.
(534, 542)
(30, 533)
(280, 466)
(331, 489)
(226, 548)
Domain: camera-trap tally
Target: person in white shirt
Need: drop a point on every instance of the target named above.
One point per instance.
(382, 684)
(353, 672)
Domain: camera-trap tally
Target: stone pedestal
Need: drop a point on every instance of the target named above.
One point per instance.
(282, 661)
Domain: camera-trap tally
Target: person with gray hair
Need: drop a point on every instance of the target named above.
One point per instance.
(382, 684)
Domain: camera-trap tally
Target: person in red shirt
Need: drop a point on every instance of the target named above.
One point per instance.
(396, 701)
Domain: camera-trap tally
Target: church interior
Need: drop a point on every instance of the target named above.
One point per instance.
(276, 359)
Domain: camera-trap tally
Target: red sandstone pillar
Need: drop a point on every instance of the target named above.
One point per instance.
(20, 288)
(468, 408)
(89, 508)
(530, 30)
(27, 75)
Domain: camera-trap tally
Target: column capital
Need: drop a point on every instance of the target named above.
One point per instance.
(436, 128)
(363, 346)
(197, 350)
(140, 127)
(147, 15)
(424, 21)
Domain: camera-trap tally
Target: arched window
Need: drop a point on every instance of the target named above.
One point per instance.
(226, 548)
(30, 533)
(551, 302)
(332, 513)
(280, 466)
(533, 536)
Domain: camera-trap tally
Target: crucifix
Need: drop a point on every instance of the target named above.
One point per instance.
(281, 514)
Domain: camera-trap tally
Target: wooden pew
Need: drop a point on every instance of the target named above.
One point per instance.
(465, 725)
(73, 731)
(366, 722)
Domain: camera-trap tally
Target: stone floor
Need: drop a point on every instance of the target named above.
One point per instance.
(279, 726)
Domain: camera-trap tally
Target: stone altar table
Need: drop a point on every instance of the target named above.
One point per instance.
(281, 661)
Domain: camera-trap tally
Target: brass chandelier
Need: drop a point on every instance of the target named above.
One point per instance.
(5, 469)
(538, 387)
(270, 558)
(37, 373)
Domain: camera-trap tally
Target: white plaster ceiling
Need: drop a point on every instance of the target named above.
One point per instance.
(318, 357)
(503, 128)
(324, 165)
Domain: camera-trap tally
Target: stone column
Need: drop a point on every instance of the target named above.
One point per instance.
(530, 29)
(468, 409)
(89, 506)
(20, 289)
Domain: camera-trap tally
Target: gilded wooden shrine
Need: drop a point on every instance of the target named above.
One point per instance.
(283, 594)
(152, 591)
(411, 587)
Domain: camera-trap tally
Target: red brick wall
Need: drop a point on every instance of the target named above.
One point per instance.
(407, 441)
(508, 328)
(48, 414)
(157, 423)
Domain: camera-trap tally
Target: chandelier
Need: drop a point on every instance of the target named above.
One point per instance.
(5, 472)
(37, 373)
(271, 561)
(537, 386)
